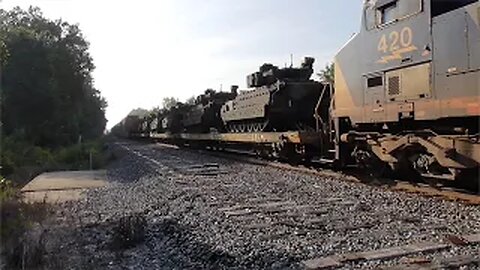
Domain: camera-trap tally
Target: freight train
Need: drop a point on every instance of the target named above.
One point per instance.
(405, 97)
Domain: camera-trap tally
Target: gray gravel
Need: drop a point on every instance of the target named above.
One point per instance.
(243, 216)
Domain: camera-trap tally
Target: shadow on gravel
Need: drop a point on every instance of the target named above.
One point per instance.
(164, 244)
(176, 247)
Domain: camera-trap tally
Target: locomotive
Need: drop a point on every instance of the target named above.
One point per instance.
(411, 98)
(409, 102)
(281, 99)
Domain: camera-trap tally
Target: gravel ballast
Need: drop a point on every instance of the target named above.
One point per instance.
(198, 211)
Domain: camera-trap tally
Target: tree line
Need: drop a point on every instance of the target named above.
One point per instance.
(47, 88)
(47, 94)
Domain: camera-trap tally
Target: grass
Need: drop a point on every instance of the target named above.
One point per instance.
(22, 237)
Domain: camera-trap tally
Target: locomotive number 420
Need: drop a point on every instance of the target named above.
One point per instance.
(395, 40)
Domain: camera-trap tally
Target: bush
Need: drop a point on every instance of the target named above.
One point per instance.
(21, 247)
(77, 157)
(7, 191)
(22, 161)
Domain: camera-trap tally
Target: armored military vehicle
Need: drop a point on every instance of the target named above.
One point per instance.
(204, 115)
(279, 99)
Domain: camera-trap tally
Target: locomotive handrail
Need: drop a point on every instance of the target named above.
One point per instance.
(317, 116)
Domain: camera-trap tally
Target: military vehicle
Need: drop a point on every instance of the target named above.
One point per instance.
(204, 115)
(172, 121)
(280, 99)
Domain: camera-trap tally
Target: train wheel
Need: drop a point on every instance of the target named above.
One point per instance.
(468, 179)
(378, 168)
(404, 169)
(371, 163)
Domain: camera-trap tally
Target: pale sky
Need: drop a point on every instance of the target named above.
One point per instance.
(147, 50)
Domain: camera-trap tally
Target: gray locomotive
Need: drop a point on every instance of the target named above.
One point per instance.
(282, 99)
(410, 99)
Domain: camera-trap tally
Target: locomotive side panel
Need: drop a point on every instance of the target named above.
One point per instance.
(457, 65)
(394, 36)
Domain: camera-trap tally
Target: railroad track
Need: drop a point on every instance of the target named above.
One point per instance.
(432, 189)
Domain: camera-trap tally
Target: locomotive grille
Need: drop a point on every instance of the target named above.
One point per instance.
(394, 85)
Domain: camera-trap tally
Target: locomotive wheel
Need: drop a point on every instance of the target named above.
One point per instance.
(369, 162)
(377, 168)
(468, 179)
(404, 169)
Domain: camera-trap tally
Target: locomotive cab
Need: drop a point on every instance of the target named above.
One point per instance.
(417, 76)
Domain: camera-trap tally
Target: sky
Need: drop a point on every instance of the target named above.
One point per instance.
(147, 50)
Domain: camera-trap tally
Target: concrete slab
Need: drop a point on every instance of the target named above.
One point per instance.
(54, 187)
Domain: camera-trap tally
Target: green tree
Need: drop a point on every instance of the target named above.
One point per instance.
(327, 75)
(48, 95)
(191, 100)
(169, 102)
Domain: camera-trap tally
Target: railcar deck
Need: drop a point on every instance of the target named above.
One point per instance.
(293, 137)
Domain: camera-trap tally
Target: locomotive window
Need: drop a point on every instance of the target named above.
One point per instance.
(388, 11)
(440, 7)
(409, 7)
(374, 82)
